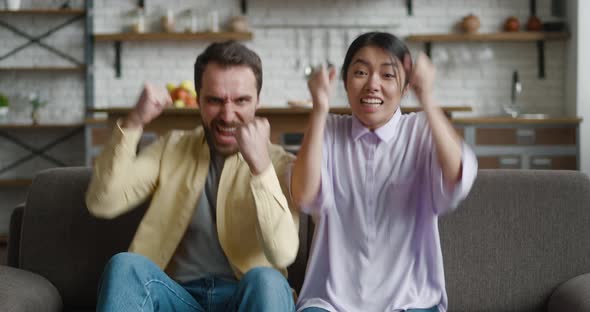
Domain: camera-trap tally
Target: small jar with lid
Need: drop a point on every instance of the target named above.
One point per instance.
(138, 21)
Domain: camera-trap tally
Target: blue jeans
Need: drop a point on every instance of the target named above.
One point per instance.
(433, 309)
(131, 282)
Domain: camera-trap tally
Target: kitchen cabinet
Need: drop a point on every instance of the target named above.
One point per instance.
(518, 143)
(287, 124)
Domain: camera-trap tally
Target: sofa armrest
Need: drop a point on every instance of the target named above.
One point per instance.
(23, 291)
(572, 296)
(16, 221)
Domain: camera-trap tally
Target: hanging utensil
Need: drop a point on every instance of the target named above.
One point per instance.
(309, 68)
(327, 46)
(298, 49)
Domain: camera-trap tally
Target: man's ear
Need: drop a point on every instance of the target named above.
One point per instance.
(257, 101)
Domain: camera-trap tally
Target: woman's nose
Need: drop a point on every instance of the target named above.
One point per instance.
(372, 83)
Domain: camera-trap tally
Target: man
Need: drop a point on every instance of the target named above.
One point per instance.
(219, 223)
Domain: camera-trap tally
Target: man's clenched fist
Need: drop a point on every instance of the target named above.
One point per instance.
(253, 139)
(150, 105)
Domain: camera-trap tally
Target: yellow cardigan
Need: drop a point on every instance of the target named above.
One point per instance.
(256, 223)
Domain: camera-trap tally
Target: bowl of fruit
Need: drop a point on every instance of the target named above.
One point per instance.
(183, 95)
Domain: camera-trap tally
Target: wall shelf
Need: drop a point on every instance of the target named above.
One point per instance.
(44, 12)
(118, 38)
(41, 126)
(205, 36)
(488, 37)
(520, 36)
(80, 68)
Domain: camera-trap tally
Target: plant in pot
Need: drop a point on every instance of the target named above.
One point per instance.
(36, 103)
(4, 104)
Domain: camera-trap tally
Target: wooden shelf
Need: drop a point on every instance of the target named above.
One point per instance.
(509, 120)
(271, 110)
(205, 36)
(44, 69)
(521, 36)
(41, 126)
(117, 38)
(15, 183)
(44, 12)
(499, 36)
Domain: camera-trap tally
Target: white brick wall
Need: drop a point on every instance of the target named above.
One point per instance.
(481, 83)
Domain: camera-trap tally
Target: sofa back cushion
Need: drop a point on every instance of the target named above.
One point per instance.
(63, 242)
(68, 246)
(517, 236)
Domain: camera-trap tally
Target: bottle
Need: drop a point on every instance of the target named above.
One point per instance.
(213, 21)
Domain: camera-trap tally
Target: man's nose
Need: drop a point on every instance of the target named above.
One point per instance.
(227, 112)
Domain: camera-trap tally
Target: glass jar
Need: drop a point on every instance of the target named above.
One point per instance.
(138, 23)
(214, 21)
(168, 24)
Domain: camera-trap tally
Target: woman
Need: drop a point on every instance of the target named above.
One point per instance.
(376, 183)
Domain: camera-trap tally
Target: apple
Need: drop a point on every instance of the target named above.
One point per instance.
(188, 85)
(170, 87)
(179, 103)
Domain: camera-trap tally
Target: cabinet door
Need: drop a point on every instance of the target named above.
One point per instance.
(526, 136)
(554, 162)
(499, 162)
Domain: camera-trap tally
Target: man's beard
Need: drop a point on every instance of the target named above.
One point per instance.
(220, 149)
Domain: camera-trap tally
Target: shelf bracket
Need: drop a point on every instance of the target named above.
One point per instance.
(541, 58)
(244, 6)
(428, 48)
(409, 7)
(117, 46)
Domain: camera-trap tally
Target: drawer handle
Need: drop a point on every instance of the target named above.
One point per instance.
(542, 161)
(525, 136)
(509, 161)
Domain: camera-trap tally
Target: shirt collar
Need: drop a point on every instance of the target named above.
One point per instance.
(385, 133)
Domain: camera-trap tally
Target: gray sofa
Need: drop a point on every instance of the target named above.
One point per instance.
(519, 242)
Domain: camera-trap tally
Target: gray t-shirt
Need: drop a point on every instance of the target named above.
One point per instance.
(199, 253)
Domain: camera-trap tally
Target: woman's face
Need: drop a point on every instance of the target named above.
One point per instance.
(374, 86)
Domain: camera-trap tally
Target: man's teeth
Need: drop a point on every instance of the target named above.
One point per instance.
(372, 101)
(227, 129)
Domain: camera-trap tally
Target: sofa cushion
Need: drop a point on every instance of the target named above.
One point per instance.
(22, 291)
(572, 296)
(63, 242)
(517, 236)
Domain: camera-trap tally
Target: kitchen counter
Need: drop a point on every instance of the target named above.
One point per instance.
(282, 120)
(503, 120)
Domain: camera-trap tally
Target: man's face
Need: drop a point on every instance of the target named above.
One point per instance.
(228, 98)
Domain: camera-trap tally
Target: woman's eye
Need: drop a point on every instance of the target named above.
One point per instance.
(389, 76)
(359, 72)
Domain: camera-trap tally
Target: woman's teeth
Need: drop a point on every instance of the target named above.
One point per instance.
(371, 101)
